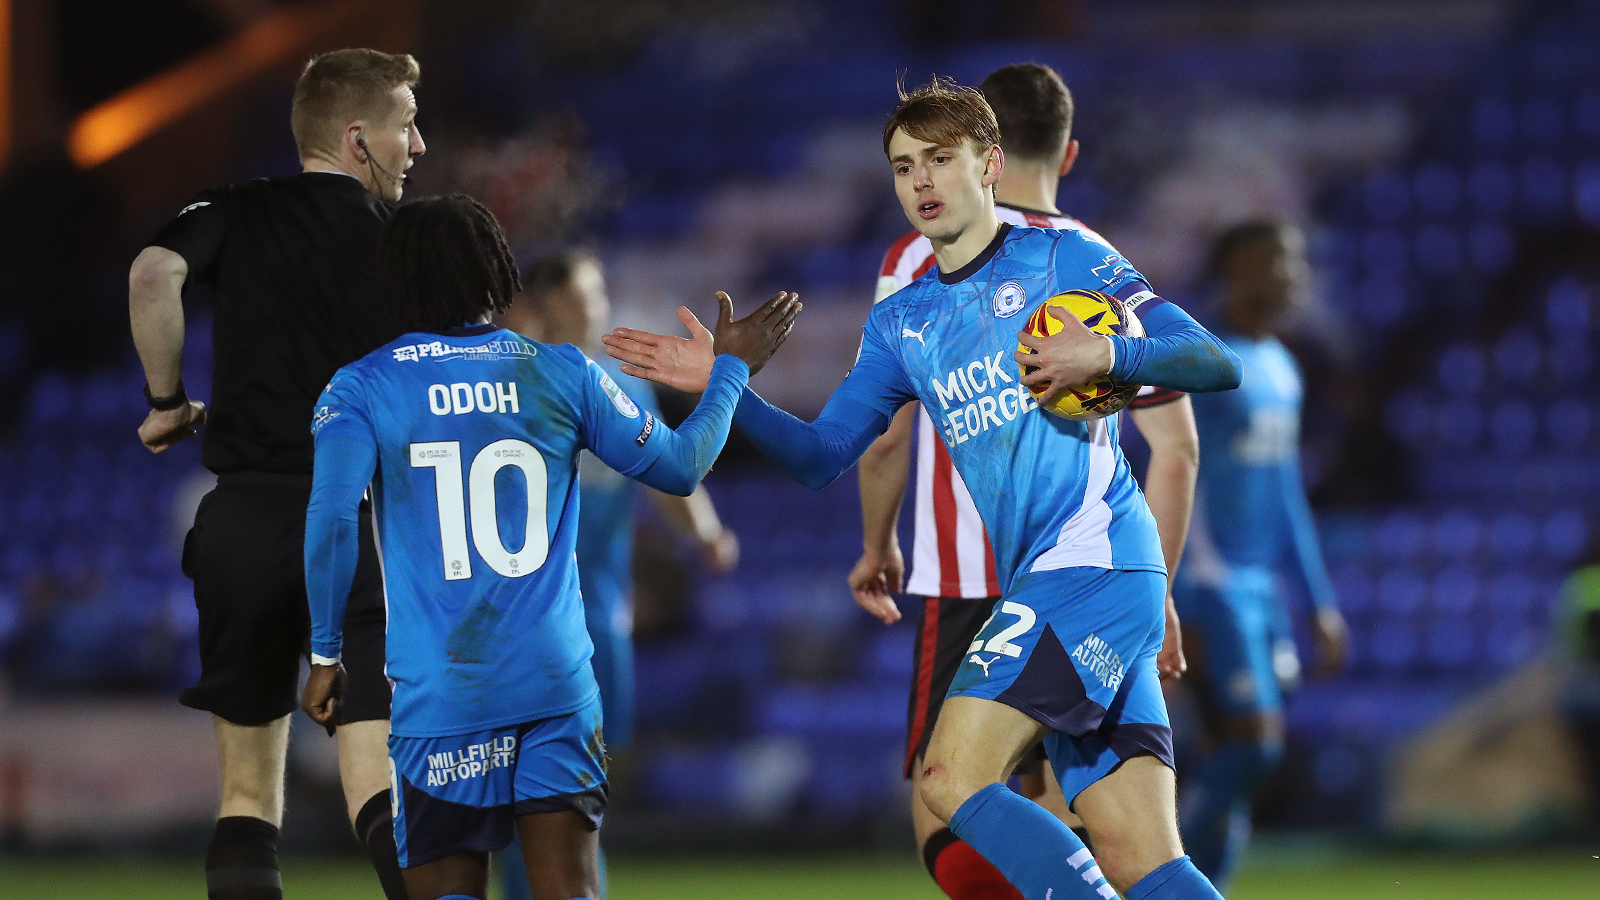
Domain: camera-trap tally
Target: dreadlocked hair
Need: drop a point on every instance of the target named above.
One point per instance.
(444, 262)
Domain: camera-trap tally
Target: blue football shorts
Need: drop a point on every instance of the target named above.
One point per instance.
(463, 793)
(1075, 649)
(1238, 652)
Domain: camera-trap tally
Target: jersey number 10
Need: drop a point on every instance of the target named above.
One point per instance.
(444, 457)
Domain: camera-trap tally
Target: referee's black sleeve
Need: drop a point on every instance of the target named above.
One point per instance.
(196, 234)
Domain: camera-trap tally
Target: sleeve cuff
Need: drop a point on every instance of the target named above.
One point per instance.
(733, 364)
(320, 660)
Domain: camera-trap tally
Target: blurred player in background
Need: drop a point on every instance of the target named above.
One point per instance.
(564, 301)
(469, 436)
(1069, 656)
(953, 578)
(290, 262)
(1252, 518)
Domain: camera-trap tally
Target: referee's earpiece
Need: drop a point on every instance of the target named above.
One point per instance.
(361, 142)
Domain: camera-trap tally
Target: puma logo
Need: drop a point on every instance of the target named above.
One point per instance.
(984, 663)
(908, 333)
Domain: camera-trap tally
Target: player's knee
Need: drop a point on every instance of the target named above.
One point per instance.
(943, 789)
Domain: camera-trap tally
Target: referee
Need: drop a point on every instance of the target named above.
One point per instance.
(291, 264)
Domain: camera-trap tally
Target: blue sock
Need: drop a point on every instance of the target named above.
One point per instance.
(1040, 856)
(458, 897)
(1175, 880)
(1225, 782)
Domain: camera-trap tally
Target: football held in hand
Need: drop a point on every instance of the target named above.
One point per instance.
(1103, 314)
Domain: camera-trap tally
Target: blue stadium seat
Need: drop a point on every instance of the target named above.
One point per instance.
(1409, 418)
(1451, 644)
(1513, 537)
(1462, 369)
(1460, 423)
(1437, 188)
(1494, 122)
(1402, 535)
(1387, 196)
(1402, 591)
(1571, 361)
(1586, 192)
(1586, 116)
(1544, 123)
(1545, 186)
(1514, 427)
(1438, 250)
(1354, 588)
(1457, 535)
(1490, 245)
(1517, 357)
(1384, 250)
(1568, 424)
(1456, 591)
(1564, 535)
(1394, 646)
(1490, 187)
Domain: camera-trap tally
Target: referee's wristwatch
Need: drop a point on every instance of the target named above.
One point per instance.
(163, 404)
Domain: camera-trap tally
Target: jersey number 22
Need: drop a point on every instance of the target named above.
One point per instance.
(444, 457)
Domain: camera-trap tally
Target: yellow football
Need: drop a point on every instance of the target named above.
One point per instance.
(1104, 314)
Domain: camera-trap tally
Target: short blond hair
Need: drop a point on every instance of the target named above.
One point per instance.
(341, 86)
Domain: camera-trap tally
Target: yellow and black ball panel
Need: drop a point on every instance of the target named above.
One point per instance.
(1103, 314)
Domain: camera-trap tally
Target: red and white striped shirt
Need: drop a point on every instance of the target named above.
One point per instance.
(950, 554)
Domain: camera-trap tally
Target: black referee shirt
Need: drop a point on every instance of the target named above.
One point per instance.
(292, 265)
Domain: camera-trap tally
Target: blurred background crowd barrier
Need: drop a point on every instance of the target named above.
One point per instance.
(1444, 158)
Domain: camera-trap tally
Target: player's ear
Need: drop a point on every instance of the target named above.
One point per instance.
(354, 142)
(1071, 158)
(995, 164)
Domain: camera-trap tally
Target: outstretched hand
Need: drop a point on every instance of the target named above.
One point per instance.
(685, 363)
(681, 363)
(1063, 360)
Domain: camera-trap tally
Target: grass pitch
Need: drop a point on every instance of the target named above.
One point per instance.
(1316, 874)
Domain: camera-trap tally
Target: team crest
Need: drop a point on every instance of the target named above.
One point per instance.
(1009, 299)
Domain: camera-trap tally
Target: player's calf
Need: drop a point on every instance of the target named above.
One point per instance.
(1131, 815)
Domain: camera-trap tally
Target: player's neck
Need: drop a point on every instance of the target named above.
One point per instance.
(324, 164)
(1029, 186)
(966, 246)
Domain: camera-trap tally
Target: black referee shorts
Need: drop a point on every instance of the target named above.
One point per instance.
(246, 554)
(946, 627)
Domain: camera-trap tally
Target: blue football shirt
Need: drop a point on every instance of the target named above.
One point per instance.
(1251, 514)
(1052, 493)
(605, 529)
(478, 432)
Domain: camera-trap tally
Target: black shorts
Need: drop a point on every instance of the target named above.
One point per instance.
(946, 627)
(246, 554)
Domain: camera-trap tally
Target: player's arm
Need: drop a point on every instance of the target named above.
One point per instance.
(815, 453)
(188, 244)
(346, 458)
(884, 470)
(1169, 429)
(671, 461)
(695, 517)
(1176, 353)
(1328, 626)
